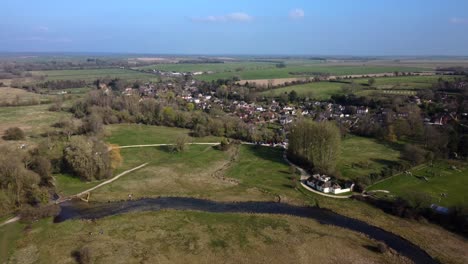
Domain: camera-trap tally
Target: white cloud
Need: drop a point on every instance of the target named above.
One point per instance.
(296, 13)
(458, 20)
(232, 17)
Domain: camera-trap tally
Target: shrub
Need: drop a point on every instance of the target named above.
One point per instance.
(382, 247)
(180, 144)
(13, 133)
(84, 255)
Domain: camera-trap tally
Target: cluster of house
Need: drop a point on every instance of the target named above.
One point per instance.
(323, 183)
(273, 111)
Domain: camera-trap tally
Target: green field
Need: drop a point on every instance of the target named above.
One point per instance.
(361, 156)
(450, 178)
(131, 134)
(305, 70)
(264, 168)
(319, 90)
(406, 82)
(94, 74)
(406, 85)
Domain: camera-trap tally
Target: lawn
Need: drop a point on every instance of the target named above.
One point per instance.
(361, 156)
(447, 177)
(131, 134)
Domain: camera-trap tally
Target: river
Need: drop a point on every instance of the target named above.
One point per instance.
(82, 210)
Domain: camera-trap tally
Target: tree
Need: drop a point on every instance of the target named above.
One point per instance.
(42, 166)
(190, 106)
(13, 133)
(414, 154)
(18, 184)
(293, 96)
(88, 158)
(94, 124)
(316, 144)
(371, 82)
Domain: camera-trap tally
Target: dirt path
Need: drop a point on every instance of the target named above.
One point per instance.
(11, 220)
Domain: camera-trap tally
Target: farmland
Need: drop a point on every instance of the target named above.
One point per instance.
(214, 67)
(450, 178)
(407, 85)
(306, 70)
(319, 90)
(406, 82)
(93, 74)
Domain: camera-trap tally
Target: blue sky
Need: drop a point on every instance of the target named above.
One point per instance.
(331, 27)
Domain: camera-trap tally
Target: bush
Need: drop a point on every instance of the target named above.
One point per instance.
(224, 145)
(382, 247)
(84, 255)
(181, 144)
(13, 133)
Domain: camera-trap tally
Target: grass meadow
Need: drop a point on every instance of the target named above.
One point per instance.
(34, 119)
(361, 156)
(447, 177)
(193, 237)
(131, 134)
